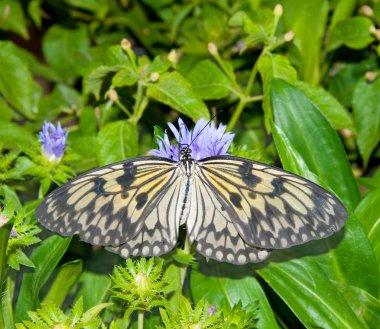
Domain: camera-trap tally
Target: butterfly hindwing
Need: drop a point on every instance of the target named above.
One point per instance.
(108, 205)
(271, 208)
(210, 225)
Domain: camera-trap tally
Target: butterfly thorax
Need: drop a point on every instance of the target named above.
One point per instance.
(187, 161)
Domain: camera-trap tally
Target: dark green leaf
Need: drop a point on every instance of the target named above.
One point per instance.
(366, 107)
(45, 258)
(353, 32)
(98, 80)
(209, 81)
(117, 141)
(314, 138)
(67, 276)
(175, 91)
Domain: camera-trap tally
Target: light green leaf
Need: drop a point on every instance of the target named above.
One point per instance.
(365, 102)
(12, 18)
(307, 19)
(353, 32)
(362, 303)
(230, 289)
(175, 91)
(309, 293)
(209, 81)
(16, 82)
(274, 66)
(12, 134)
(337, 115)
(61, 46)
(45, 258)
(67, 276)
(343, 9)
(117, 141)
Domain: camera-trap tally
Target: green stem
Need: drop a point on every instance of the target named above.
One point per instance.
(123, 108)
(4, 236)
(140, 320)
(186, 249)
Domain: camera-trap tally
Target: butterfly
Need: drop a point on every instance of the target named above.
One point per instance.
(235, 210)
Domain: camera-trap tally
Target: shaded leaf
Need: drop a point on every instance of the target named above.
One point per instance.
(12, 18)
(209, 81)
(175, 91)
(117, 141)
(365, 102)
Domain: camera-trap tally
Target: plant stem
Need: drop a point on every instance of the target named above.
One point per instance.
(186, 249)
(140, 320)
(4, 235)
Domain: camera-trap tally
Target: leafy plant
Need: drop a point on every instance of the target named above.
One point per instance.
(296, 81)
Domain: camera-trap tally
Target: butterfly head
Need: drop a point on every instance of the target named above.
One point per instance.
(186, 159)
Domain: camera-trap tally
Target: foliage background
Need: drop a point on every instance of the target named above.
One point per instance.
(297, 83)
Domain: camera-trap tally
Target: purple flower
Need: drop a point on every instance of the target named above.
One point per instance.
(205, 140)
(53, 141)
(13, 233)
(212, 310)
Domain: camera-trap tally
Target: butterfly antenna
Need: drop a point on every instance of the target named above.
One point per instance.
(213, 117)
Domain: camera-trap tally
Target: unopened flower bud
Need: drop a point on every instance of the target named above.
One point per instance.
(113, 96)
(278, 10)
(125, 44)
(154, 76)
(212, 48)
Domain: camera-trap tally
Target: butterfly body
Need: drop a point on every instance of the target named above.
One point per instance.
(235, 210)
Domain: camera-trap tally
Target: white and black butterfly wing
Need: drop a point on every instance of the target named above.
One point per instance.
(210, 225)
(269, 207)
(112, 204)
(159, 233)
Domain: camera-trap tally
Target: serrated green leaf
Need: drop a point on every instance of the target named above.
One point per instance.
(353, 32)
(125, 77)
(209, 81)
(117, 141)
(337, 115)
(175, 91)
(365, 103)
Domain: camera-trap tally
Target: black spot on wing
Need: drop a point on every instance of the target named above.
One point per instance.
(236, 200)
(128, 178)
(141, 200)
(246, 174)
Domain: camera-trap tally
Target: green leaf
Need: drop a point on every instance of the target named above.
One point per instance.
(209, 81)
(353, 32)
(34, 10)
(12, 18)
(368, 212)
(125, 77)
(343, 9)
(45, 258)
(16, 82)
(61, 46)
(307, 19)
(362, 303)
(12, 134)
(117, 141)
(337, 115)
(351, 259)
(67, 276)
(274, 66)
(309, 293)
(231, 289)
(175, 91)
(314, 138)
(94, 288)
(366, 107)
(97, 81)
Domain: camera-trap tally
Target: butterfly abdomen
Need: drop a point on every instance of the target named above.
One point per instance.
(184, 199)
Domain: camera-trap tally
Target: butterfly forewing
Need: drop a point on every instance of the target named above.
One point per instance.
(109, 205)
(210, 225)
(269, 207)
